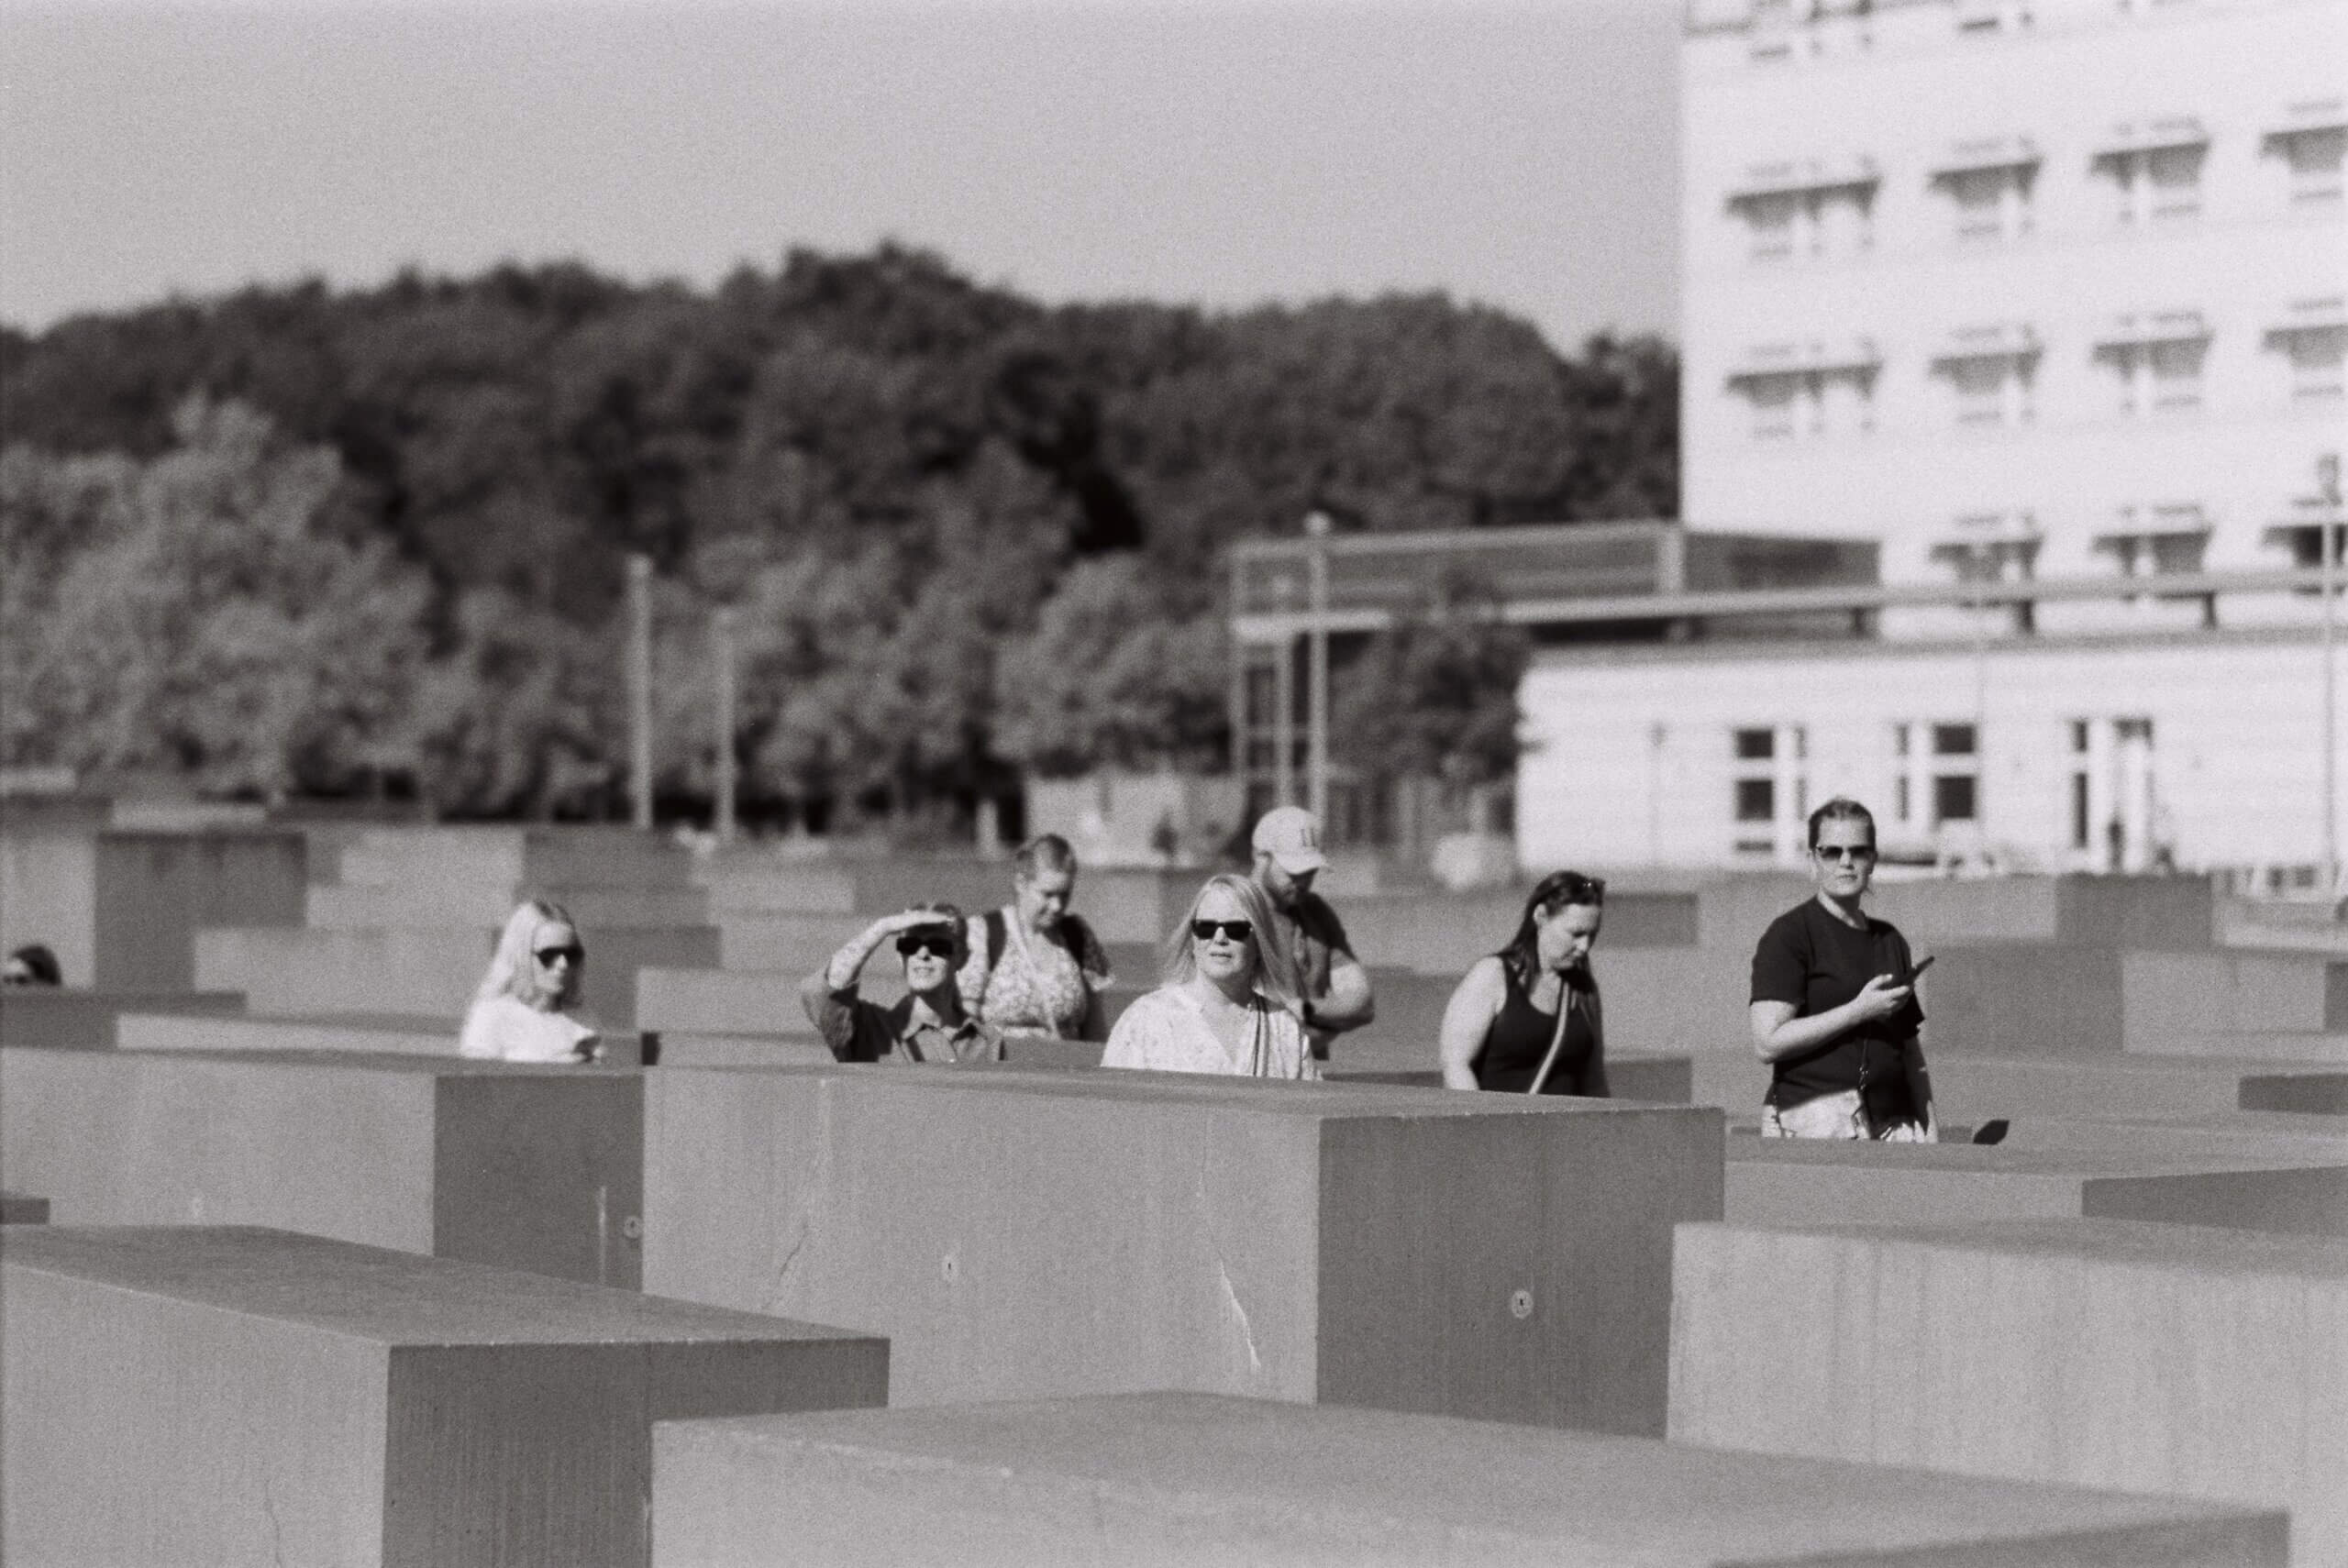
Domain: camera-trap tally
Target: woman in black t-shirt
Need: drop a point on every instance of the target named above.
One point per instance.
(1532, 999)
(1834, 1009)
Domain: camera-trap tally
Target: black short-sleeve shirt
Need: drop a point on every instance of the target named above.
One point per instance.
(1318, 934)
(1810, 959)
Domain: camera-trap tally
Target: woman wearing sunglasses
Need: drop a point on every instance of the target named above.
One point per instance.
(929, 1022)
(1525, 1019)
(1834, 1009)
(1232, 1002)
(522, 1010)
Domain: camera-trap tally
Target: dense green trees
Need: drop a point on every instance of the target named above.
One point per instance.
(296, 539)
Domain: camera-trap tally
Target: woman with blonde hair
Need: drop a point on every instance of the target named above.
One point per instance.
(1232, 1000)
(521, 1011)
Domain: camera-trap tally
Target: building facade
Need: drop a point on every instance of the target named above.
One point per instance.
(2045, 298)
(2016, 287)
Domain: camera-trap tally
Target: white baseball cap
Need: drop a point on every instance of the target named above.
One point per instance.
(1291, 835)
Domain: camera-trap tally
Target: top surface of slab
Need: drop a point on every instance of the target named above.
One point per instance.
(2191, 1249)
(1318, 1101)
(451, 1067)
(1441, 1481)
(2004, 1160)
(373, 1292)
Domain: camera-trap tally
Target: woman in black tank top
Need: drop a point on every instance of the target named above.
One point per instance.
(1535, 995)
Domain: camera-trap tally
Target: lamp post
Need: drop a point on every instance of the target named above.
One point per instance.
(1316, 697)
(639, 688)
(2327, 480)
(721, 657)
(1284, 701)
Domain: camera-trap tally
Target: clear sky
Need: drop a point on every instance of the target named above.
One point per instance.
(1518, 152)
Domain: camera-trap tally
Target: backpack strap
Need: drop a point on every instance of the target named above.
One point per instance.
(997, 934)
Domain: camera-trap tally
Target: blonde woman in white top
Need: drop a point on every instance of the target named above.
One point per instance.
(1231, 1002)
(521, 1013)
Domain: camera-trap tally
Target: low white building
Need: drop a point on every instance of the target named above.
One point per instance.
(2203, 749)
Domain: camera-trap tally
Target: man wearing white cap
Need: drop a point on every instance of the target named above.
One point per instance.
(1336, 988)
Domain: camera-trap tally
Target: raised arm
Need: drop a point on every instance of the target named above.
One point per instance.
(1467, 1018)
(1778, 1033)
(840, 971)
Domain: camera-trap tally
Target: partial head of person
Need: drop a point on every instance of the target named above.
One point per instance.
(539, 958)
(32, 965)
(933, 951)
(1043, 881)
(1233, 937)
(1288, 854)
(1841, 847)
(1561, 925)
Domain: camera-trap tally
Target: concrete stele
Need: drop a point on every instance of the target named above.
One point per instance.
(1773, 1181)
(236, 1397)
(1052, 1233)
(1192, 1479)
(2152, 1358)
(524, 1166)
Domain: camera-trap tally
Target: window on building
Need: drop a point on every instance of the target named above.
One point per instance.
(2155, 176)
(1776, 406)
(1768, 789)
(1956, 774)
(2315, 520)
(1988, 204)
(2314, 342)
(1795, 392)
(1983, 18)
(1770, 221)
(1990, 391)
(2167, 540)
(1805, 211)
(2157, 362)
(1902, 806)
(1996, 546)
(2311, 157)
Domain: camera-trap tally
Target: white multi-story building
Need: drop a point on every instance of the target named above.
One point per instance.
(2041, 295)
(2016, 287)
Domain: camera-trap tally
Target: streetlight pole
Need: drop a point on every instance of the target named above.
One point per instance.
(1284, 699)
(2327, 471)
(1316, 530)
(639, 688)
(721, 654)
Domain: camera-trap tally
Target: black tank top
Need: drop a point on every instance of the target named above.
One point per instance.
(1519, 1037)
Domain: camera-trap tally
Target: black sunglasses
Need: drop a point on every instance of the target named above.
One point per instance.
(1844, 851)
(937, 943)
(1236, 930)
(546, 955)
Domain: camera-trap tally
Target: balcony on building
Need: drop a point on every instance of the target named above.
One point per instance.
(2158, 358)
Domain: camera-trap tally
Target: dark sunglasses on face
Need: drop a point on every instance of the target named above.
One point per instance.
(546, 955)
(936, 943)
(1844, 852)
(1235, 930)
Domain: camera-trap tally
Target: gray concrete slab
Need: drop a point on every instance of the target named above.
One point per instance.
(1024, 1233)
(1972, 1089)
(530, 1167)
(68, 1016)
(1192, 1479)
(423, 971)
(120, 908)
(2176, 1359)
(366, 1034)
(1773, 1181)
(1661, 1079)
(23, 1209)
(229, 1396)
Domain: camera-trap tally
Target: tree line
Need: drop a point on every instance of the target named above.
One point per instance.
(300, 540)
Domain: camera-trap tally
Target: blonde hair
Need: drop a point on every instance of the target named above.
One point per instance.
(1276, 977)
(510, 966)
